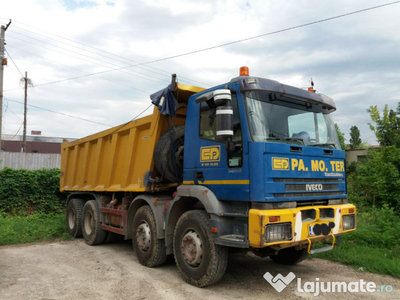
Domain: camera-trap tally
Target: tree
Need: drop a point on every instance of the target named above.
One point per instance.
(387, 127)
(355, 140)
(377, 181)
(341, 137)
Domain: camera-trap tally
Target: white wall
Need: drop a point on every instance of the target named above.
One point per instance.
(30, 161)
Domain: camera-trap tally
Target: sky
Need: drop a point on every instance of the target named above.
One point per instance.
(94, 64)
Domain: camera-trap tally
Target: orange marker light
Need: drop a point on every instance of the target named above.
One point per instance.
(244, 71)
(274, 219)
(214, 230)
(351, 210)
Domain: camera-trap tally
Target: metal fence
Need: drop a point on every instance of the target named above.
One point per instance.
(30, 161)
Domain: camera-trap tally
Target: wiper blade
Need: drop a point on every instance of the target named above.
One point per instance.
(326, 145)
(276, 138)
(295, 139)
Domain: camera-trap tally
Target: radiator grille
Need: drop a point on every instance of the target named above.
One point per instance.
(312, 194)
(302, 180)
(311, 187)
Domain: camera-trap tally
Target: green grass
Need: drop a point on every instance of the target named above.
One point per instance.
(374, 246)
(34, 228)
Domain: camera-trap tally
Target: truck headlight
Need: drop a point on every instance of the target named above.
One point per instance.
(278, 232)
(349, 222)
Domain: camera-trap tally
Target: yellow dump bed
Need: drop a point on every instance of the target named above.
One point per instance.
(120, 158)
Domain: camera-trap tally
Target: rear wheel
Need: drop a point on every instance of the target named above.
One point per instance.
(74, 217)
(149, 250)
(290, 256)
(200, 261)
(91, 229)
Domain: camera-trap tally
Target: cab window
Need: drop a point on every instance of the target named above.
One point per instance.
(207, 129)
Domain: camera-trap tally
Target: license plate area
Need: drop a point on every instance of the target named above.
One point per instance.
(321, 229)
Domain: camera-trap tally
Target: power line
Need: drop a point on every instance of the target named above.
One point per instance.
(103, 51)
(273, 32)
(226, 44)
(126, 123)
(116, 82)
(60, 113)
(130, 72)
(17, 131)
(79, 118)
(85, 45)
(14, 63)
(9, 109)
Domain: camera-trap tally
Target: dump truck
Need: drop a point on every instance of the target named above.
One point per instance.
(249, 165)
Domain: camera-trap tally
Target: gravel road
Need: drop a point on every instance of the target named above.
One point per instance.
(74, 270)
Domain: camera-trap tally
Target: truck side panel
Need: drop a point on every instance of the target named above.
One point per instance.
(117, 159)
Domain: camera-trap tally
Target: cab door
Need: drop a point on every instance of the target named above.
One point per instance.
(206, 160)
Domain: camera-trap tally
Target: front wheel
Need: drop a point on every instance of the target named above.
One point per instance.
(200, 261)
(289, 256)
(149, 250)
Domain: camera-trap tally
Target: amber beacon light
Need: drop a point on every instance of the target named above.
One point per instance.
(244, 71)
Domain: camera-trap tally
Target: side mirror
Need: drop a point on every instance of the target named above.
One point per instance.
(216, 98)
(224, 124)
(221, 99)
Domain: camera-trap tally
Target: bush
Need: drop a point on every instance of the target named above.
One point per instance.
(24, 192)
(377, 181)
(381, 228)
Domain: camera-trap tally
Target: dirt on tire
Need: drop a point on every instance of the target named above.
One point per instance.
(74, 270)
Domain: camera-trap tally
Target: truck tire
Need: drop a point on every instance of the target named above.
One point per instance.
(200, 261)
(149, 250)
(74, 217)
(168, 153)
(91, 227)
(289, 256)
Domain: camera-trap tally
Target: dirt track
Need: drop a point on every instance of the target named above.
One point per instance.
(73, 270)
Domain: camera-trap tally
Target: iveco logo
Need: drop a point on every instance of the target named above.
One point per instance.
(314, 187)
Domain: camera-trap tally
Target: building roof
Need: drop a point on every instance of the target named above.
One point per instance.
(35, 138)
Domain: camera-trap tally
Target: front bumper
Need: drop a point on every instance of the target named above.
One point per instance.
(282, 228)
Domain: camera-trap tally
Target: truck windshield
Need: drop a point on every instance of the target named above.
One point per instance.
(282, 119)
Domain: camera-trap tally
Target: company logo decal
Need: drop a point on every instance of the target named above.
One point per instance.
(314, 187)
(280, 163)
(210, 154)
(331, 168)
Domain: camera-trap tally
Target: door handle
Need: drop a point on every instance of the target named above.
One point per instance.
(199, 176)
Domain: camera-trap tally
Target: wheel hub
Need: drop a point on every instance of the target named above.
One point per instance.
(143, 236)
(71, 219)
(192, 248)
(88, 223)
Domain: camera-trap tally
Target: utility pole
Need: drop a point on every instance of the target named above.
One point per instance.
(3, 62)
(25, 106)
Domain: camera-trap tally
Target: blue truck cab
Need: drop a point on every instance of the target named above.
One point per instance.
(265, 161)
